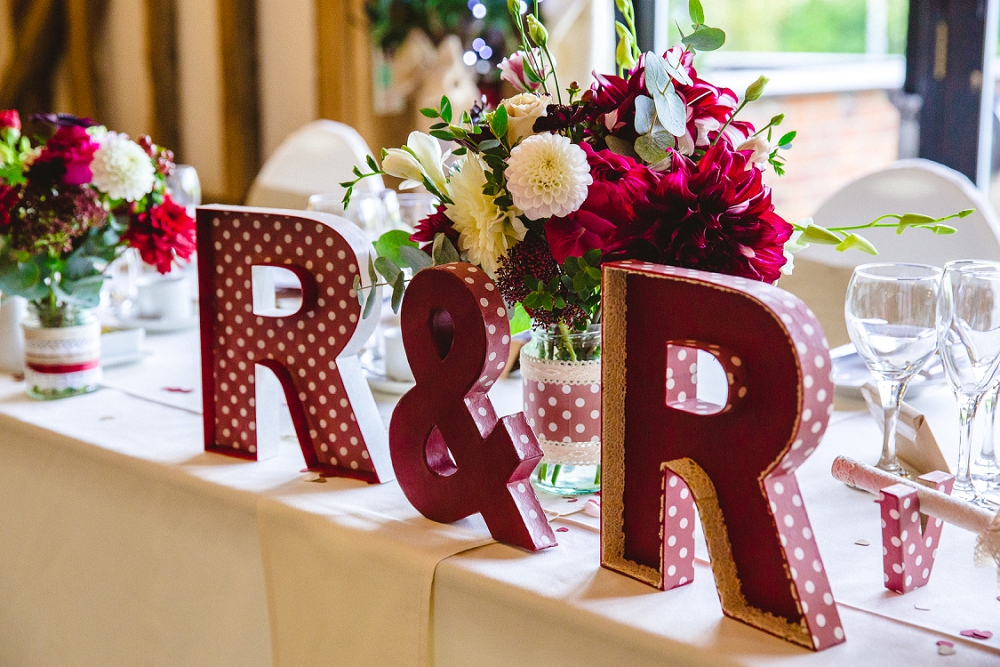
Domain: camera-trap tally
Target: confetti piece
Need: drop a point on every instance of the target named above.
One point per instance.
(977, 634)
(106, 418)
(573, 500)
(862, 543)
(321, 480)
(921, 607)
(178, 390)
(593, 507)
(945, 648)
(562, 529)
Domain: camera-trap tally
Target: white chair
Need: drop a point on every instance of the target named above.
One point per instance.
(315, 159)
(908, 186)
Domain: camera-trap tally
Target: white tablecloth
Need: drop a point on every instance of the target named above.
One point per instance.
(122, 543)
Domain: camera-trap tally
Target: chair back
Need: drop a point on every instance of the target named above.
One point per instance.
(315, 159)
(821, 273)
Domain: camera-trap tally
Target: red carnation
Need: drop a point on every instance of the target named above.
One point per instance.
(715, 215)
(66, 157)
(434, 224)
(10, 118)
(619, 182)
(9, 197)
(162, 233)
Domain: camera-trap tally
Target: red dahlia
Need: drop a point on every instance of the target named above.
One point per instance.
(715, 215)
(162, 233)
(434, 224)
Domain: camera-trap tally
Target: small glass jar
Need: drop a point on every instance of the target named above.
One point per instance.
(561, 381)
(62, 350)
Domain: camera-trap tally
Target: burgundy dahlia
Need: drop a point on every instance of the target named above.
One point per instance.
(434, 224)
(715, 215)
(619, 182)
(9, 197)
(162, 233)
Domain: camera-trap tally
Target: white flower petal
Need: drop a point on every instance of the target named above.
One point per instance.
(548, 175)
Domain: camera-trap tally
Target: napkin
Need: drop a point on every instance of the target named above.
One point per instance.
(916, 446)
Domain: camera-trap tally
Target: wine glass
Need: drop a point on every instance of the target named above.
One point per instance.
(890, 312)
(969, 332)
(374, 211)
(414, 207)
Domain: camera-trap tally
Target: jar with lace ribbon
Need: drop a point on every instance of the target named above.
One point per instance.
(561, 375)
(62, 350)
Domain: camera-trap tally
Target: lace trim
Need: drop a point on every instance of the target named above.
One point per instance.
(570, 453)
(560, 372)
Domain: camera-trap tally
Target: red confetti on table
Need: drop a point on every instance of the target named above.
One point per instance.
(573, 500)
(178, 390)
(977, 634)
(945, 648)
(562, 529)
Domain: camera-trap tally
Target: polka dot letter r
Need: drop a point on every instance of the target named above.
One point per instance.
(665, 457)
(312, 351)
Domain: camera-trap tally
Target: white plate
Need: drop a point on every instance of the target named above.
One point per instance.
(374, 372)
(155, 325)
(850, 373)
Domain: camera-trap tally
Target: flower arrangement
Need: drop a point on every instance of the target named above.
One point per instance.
(652, 163)
(70, 204)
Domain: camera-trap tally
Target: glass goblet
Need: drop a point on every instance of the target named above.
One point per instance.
(968, 323)
(891, 315)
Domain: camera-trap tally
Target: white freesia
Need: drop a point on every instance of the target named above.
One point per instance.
(399, 163)
(121, 168)
(548, 175)
(522, 112)
(761, 148)
(427, 150)
(485, 230)
(421, 158)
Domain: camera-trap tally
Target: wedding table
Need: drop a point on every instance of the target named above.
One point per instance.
(123, 543)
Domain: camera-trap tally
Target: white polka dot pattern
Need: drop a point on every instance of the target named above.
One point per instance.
(807, 578)
(563, 412)
(907, 551)
(305, 350)
(682, 377)
(677, 557)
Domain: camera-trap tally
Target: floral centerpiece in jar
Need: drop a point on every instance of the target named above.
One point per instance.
(69, 205)
(652, 163)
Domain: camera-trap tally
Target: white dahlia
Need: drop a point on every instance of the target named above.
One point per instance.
(485, 230)
(122, 169)
(548, 175)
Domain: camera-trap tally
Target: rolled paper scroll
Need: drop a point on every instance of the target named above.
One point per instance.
(933, 503)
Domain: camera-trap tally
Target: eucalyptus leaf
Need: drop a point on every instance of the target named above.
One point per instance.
(645, 111)
(620, 146)
(387, 269)
(443, 251)
(489, 144)
(705, 39)
(647, 149)
(672, 62)
(369, 302)
(657, 78)
(415, 258)
(671, 111)
(373, 277)
(398, 288)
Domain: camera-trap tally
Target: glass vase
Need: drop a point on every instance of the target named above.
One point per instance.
(561, 377)
(62, 350)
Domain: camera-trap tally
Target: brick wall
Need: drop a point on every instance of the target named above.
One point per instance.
(840, 136)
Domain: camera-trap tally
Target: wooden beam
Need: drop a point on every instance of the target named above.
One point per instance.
(240, 95)
(344, 65)
(162, 52)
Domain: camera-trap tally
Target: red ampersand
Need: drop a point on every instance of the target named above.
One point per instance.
(453, 457)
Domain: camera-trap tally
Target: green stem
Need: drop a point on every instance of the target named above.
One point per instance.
(722, 130)
(555, 76)
(597, 476)
(564, 335)
(555, 473)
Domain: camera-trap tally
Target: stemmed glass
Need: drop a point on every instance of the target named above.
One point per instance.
(969, 333)
(890, 312)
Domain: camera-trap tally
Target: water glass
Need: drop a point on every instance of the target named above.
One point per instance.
(891, 316)
(376, 212)
(969, 333)
(414, 207)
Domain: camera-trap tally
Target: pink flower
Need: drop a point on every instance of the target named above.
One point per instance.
(619, 182)
(162, 233)
(715, 215)
(435, 223)
(66, 157)
(10, 118)
(512, 71)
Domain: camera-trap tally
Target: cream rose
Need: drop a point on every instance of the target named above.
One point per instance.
(522, 112)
